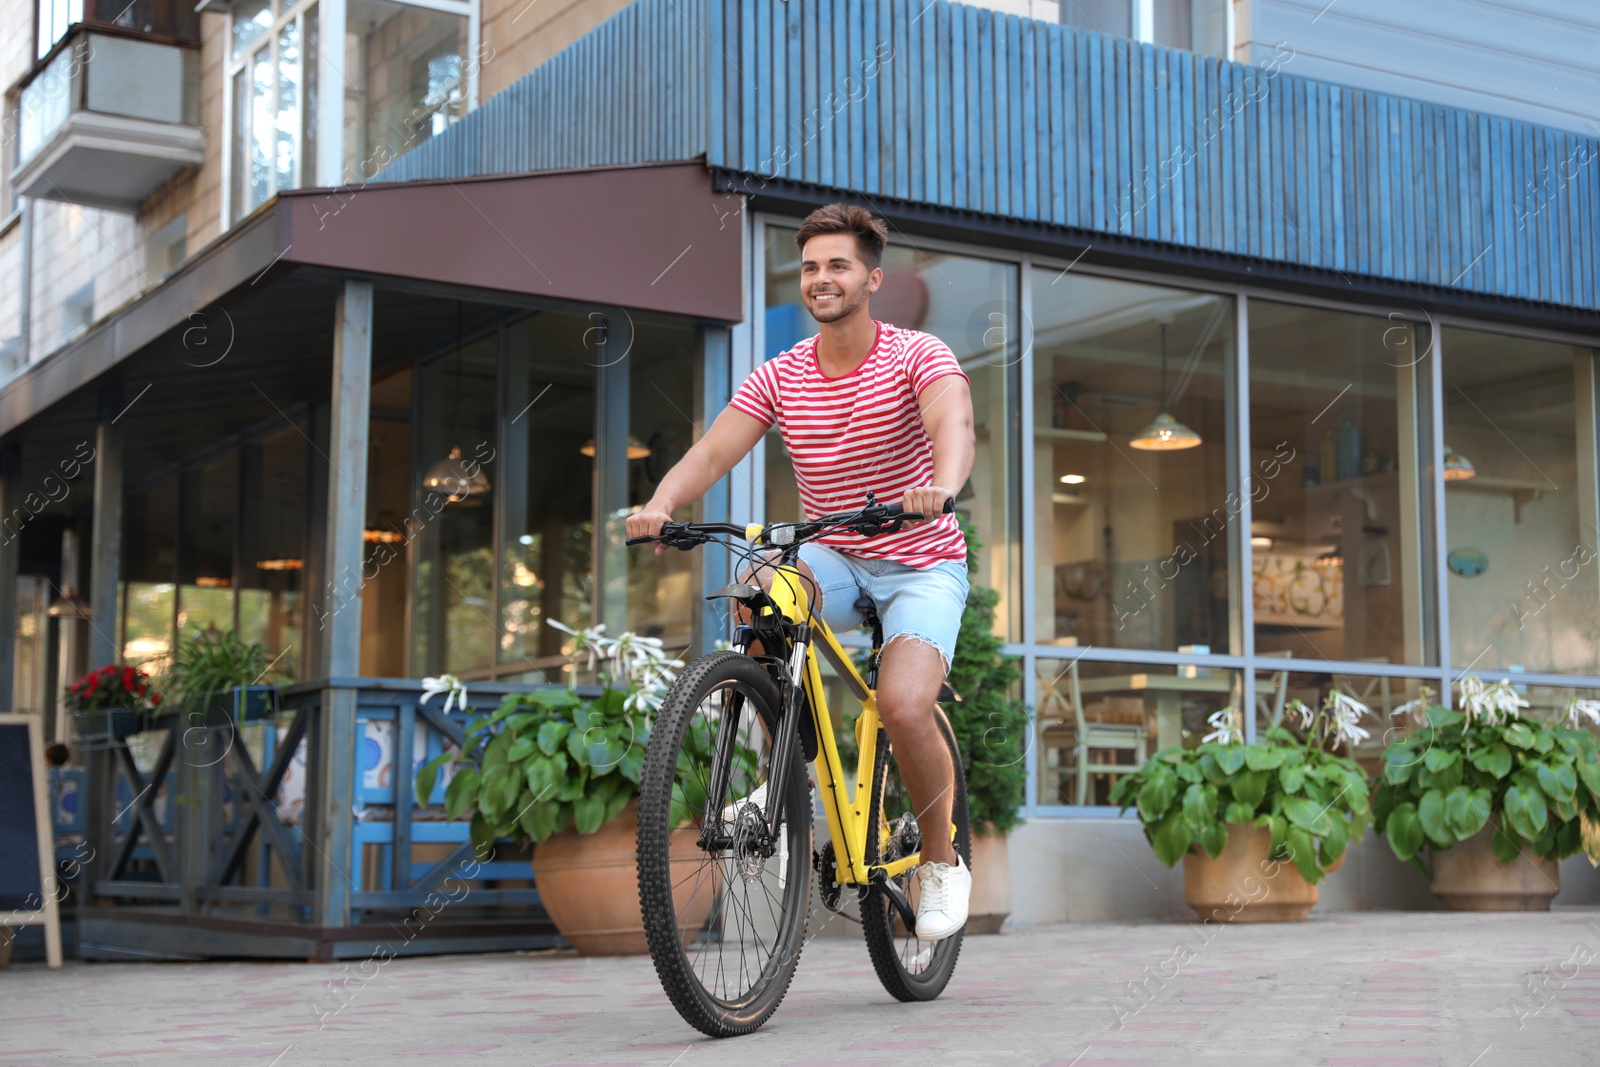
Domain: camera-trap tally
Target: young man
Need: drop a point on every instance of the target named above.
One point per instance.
(867, 406)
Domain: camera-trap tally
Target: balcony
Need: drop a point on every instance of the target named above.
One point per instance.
(107, 116)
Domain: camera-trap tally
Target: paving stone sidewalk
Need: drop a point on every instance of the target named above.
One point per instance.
(1351, 990)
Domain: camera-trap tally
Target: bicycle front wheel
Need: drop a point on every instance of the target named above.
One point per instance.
(909, 968)
(724, 904)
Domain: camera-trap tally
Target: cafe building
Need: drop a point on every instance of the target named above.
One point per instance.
(1280, 386)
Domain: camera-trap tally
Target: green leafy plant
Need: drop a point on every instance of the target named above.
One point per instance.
(991, 728)
(1456, 770)
(549, 759)
(1314, 801)
(212, 662)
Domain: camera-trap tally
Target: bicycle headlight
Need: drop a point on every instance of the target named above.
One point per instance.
(780, 535)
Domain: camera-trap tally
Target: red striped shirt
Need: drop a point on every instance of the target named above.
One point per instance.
(860, 432)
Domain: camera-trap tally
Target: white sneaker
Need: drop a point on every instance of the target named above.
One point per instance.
(730, 815)
(946, 891)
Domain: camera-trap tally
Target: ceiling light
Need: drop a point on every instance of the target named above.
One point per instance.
(449, 477)
(1165, 434)
(1260, 542)
(1457, 468)
(1072, 479)
(636, 448)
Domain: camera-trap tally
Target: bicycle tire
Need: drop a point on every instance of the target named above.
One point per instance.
(682, 946)
(909, 968)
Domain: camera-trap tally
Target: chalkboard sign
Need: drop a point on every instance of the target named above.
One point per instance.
(27, 850)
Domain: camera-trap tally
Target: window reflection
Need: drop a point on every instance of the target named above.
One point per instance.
(205, 551)
(149, 565)
(403, 65)
(273, 502)
(1523, 571)
(546, 569)
(972, 306)
(1133, 539)
(1098, 721)
(390, 524)
(455, 628)
(662, 374)
(1336, 539)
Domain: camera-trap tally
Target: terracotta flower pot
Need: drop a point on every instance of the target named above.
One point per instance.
(589, 885)
(1244, 884)
(1468, 877)
(991, 884)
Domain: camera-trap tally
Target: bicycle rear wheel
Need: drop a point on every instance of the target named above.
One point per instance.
(725, 922)
(909, 968)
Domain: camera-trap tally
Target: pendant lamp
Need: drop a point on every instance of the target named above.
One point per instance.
(1165, 434)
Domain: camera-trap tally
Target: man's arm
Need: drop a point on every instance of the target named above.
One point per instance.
(729, 440)
(946, 405)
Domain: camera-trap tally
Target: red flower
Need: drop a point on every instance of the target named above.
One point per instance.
(127, 677)
(155, 700)
(94, 680)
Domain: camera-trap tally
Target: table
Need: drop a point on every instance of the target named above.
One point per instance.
(1168, 690)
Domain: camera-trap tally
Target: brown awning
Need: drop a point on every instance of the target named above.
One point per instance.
(656, 238)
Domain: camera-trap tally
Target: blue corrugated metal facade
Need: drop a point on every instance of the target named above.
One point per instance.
(965, 108)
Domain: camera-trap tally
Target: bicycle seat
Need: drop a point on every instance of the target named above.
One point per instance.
(869, 618)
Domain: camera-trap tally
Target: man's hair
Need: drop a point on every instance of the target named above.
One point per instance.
(871, 233)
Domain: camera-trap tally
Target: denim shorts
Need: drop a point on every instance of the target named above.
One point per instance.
(922, 605)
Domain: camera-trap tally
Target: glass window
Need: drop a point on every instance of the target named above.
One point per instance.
(391, 490)
(404, 81)
(1276, 689)
(207, 513)
(547, 500)
(455, 625)
(149, 562)
(1097, 720)
(1193, 25)
(1133, 503)
(1111, 17)
(972, 305)
(274, 117)
(663, 591)
(272, 521)
(1519, 504)
(55, 18)
(1337, 546)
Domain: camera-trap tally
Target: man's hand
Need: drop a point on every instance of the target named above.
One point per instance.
(647, 523)
(928, 499)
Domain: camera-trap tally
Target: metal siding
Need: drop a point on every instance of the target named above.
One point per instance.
(974, 110)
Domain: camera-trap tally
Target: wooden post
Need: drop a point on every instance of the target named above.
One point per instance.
(339, 623)
(10, 540)
(106, 538)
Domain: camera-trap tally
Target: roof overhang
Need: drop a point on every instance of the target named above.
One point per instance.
(648, 238)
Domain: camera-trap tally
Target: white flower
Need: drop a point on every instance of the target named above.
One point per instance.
(1345, 711)
(446, 683)
(1489, 704)
(1224, 731)
(1305, 713)
(1579, 709)
(1418, 707)
(588, 643)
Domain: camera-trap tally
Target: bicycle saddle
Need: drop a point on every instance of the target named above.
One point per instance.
(869, 618)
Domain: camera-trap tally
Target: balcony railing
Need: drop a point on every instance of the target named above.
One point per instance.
(106, 117)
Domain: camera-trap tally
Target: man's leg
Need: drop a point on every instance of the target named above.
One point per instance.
(764, 575)
(909, 676)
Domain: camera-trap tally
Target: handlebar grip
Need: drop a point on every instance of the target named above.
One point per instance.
(640, 540)
(949, 506)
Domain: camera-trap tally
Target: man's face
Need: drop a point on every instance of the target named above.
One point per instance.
(834, 282)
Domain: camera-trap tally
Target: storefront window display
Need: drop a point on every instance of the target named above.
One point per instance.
(1133, 506)
(1337, 543)
(1097, 720)
(1520, 511)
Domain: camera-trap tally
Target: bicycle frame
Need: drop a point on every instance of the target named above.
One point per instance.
(846, 804)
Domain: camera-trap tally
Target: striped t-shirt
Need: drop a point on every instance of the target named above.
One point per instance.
(858, 432)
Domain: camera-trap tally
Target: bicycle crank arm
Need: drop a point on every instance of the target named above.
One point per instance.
(897, 897)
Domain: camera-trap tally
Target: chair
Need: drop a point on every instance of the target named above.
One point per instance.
(1092, 735)
(1270, 704)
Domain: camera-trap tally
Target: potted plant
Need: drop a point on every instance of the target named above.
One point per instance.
(218, 675)
(991, 730)
(112, 702)
(562, 770)
(1258, 825)
(1483, 788)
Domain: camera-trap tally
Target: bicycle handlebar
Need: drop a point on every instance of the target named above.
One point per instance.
(869, 521)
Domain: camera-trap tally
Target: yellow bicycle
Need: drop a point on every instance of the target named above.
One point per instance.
(725, 814)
